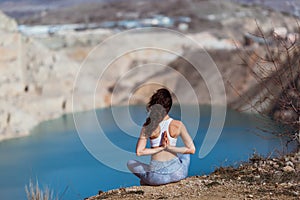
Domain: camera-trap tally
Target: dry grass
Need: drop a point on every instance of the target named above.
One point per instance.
(34, 192)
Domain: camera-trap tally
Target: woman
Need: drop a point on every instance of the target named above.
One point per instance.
(168, 162)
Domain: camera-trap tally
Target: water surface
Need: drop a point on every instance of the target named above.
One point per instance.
(55, 156)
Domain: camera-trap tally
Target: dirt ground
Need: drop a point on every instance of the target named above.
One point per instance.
(276, 178)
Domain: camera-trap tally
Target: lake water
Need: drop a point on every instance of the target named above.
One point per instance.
(55, 156)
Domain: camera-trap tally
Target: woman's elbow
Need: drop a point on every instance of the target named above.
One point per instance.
(139, 153)
(191, 150)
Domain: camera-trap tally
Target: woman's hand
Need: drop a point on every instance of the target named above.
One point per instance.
(165, 141)
(189, 147)
(141, 149)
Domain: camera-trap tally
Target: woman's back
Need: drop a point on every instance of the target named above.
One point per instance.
(167, 128)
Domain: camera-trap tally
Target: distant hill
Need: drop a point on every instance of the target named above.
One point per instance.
(30, 8)
(36, 12)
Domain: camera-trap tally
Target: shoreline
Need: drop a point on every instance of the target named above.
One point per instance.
(259, 178)
(54, 117)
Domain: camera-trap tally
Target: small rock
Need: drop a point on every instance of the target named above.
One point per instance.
(298, 84)
(293, 159)
(297, 167)
(100, 192)
(293, 37)
(250, 196)
(280, 32)
(295, 193)
(283, 184)
(276, 166)
(257, 177)
(286, 159)
(289, 163)
(270, 162)
(288, 169)
(278, 174)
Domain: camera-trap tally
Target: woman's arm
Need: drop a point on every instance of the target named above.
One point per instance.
(189, 147)
(141, 149)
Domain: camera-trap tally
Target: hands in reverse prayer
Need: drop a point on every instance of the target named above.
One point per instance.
(165, 141)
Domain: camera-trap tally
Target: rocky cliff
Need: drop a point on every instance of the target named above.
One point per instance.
(36, 83)
(39, 73)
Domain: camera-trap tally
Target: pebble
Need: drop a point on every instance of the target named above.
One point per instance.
(260, 169)
(270, 162)
(289, 163)
(298, 166)
(296, 193)
(288, 169)
(293, 159)
(280, 32)
(286, 159)
(276, 166)
(100, 192)
(278, 173)
(283, 184)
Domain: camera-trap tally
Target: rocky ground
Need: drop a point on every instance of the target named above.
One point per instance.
(270, 178)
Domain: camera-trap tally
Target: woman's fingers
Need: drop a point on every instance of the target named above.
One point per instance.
(166, 138)
(164, 142)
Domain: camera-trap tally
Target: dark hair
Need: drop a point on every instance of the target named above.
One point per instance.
(158, 107)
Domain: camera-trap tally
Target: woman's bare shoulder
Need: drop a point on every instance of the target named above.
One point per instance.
(176, 123)
(175, 128)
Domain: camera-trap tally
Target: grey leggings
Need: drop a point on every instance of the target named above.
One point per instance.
(159, 172)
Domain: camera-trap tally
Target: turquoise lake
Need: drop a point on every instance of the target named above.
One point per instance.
(55, 156)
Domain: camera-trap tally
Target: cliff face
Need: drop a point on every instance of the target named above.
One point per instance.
(7, 24)
(35, 82)
(39, 72)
